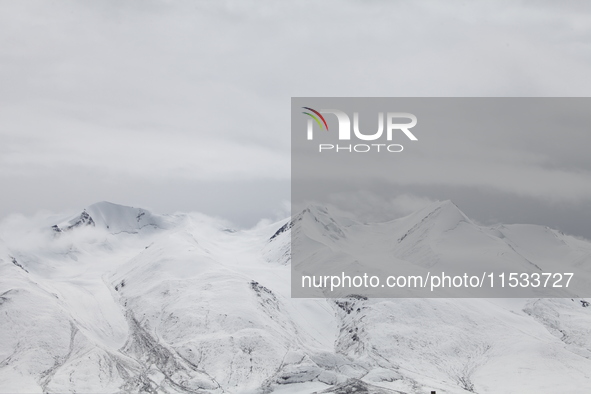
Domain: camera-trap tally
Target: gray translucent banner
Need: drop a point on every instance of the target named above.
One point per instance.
(349, 155)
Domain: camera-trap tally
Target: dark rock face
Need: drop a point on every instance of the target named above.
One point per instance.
(287, 226)
(357, 387)
(83, 220)
(15, 262)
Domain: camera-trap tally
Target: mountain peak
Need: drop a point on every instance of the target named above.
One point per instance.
(447, 209)
(113, 217)
(316, 219)
(437, 217)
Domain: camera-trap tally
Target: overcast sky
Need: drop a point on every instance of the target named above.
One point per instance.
(185, 105)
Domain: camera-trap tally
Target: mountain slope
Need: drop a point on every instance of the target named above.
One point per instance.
(122, 300)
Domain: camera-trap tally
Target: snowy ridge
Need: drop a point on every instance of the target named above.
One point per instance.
(115, 218)
(122, 300)
(440, 237)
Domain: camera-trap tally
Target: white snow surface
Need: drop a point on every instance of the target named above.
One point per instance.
(117, 299)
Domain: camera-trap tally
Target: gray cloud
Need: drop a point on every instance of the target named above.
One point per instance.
(468, 149)
(112, 98)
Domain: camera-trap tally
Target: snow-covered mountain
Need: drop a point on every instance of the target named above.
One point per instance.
(117, 299)
(438, 238)
(114, 218)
